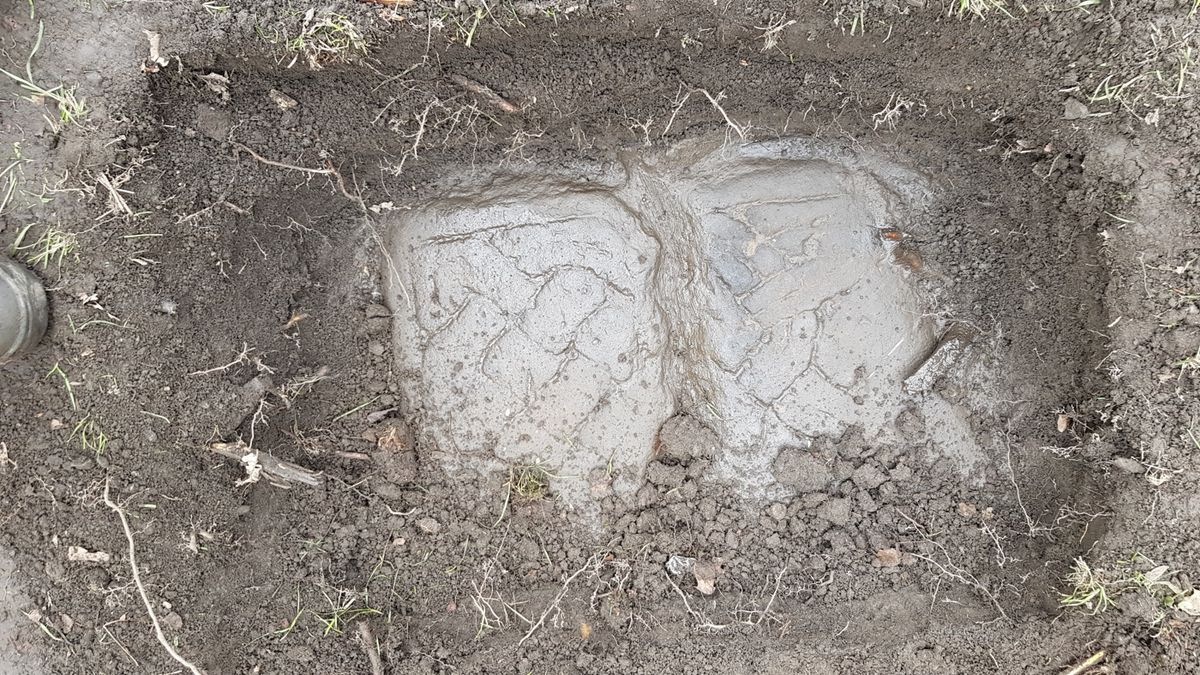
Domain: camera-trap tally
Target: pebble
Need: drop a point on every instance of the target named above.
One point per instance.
(777, 511)
(1128, 465)
(1074, 110)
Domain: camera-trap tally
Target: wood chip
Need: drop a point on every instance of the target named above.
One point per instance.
(81, 554)
(706, 574)
(279, 473)
(282, 100)
(156, 60)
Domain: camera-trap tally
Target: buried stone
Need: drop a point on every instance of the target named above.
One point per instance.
(563, 318)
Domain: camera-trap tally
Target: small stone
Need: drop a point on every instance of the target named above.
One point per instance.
(389, 491)
(777, 511)
(1128, 465)
(967, 510)
(213, 122)
(282, 100)
(377, 310)
(173, 621)
(56, 571)
(887, 557)
(678, 564)
(429, 526)
(706, 574)
(646, 495)
(1074, 110)
(901, 473)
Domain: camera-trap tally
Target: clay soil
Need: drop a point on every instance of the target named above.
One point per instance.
(225, 283)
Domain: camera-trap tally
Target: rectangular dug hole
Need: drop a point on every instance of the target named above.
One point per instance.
(764, 289)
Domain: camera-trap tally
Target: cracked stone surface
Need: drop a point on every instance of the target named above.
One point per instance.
(563, 318)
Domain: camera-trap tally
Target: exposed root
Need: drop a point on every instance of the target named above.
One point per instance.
(702, 621)
(328, 171)
(562, 592)
(1087, 665)
(117, 205)
(137, 581)
(755, 617)
(954, 571)
(740, 129)
(494, 611)
(890, 114)
(1035, 528)
(364, 632)
(242, 358)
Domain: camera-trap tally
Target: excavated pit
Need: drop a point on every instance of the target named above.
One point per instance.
(769, 290)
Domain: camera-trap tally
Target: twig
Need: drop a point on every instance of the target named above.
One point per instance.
(364, 631)
(137, 581)
(1083, 667)
(554, 603)
(279, 473)
(487, 93)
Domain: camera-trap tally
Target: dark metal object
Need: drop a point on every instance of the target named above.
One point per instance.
(23, 309)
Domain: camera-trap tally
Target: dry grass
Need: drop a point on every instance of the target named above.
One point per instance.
(323, 38)
(530, 482)
(69, 108)
(527, 483)
(52, 248)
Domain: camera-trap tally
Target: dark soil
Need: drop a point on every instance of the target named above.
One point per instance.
(1068, 245)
